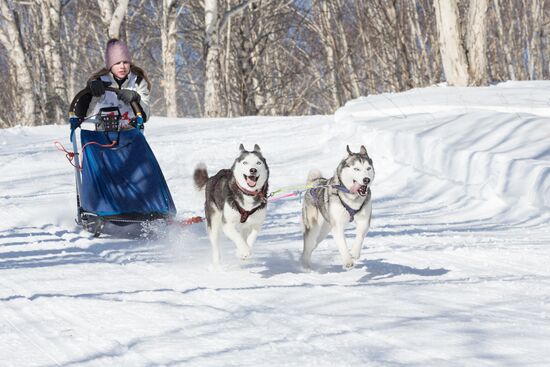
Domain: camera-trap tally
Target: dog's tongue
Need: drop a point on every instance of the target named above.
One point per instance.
(250, 182)
(355, 188)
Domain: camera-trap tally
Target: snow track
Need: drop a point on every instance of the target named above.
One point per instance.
(454, 271)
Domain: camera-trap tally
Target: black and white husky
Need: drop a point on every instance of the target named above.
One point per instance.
(235, 201)
(331, 204)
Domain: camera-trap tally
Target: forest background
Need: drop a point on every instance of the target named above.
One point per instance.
(213, 58)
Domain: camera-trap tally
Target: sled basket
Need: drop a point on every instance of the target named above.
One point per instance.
(120, 180)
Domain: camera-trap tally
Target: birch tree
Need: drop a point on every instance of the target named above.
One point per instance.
(212, 87)
(113, 17)
(535, 30)
(235, 57)
(169, 47)
(463, 51)
(258, 28)
(329, 45)
(476, 42)
(215, 23)
(56, 95)
(453, 53)
(503, 42)
(351, 82)
(21, 74)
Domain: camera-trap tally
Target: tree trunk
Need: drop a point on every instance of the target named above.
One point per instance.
(453, 54)
(422, 61)
(22, 76)
(212, 80)
(476, 42)
(226, 66)
(56, 95)
(401, 57)
(106, 11)
(112, 19)
(212, 86)
(331, 79)
(352, 79)
(502, 35)
(169, 45)
(535, 39)
(117, 18)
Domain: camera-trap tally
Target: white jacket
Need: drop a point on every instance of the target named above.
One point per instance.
(109, 99)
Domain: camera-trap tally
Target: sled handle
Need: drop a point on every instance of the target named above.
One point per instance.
(134, 104)
(83, 92)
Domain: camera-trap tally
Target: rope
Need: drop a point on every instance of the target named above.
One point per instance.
(192, 220)
(185, 222)
(294, 191)
(70, 155)
(181, 222)
(299, 189)
(284, 196)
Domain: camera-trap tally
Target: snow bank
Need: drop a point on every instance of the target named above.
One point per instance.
(493, 140)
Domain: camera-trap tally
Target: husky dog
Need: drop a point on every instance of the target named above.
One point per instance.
(333, 203)
(235, 201)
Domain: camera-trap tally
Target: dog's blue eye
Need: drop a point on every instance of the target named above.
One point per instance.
(259, 163)
(368, 169)
(356, 169)
(245, 163)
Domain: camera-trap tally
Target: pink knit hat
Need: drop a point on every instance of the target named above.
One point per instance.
(115, 52)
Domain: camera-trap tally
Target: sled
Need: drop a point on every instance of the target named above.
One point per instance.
(119, 181)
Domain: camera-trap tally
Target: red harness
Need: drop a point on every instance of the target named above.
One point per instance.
(261, 194)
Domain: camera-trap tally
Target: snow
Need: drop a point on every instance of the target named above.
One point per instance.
(454, 272)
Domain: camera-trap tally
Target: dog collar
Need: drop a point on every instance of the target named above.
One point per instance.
(261, 193)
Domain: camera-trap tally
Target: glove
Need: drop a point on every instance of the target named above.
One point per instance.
(128, 96)
(97, 88)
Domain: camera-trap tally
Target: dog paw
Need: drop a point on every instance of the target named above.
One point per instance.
(305, 266)
(349, 264)
(243, 255)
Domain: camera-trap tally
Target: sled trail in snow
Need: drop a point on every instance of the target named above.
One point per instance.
(454, 271)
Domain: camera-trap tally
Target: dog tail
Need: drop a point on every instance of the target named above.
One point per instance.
(200, 176)
(313, 175)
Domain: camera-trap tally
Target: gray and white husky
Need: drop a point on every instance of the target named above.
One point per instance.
(235, 201)
(335, 202)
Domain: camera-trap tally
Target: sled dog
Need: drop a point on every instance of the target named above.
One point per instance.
(330, 204)
(235, 201)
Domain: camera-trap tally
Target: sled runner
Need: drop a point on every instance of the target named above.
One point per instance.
(119, 180)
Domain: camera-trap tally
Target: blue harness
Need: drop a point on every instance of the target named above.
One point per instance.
(352, 212)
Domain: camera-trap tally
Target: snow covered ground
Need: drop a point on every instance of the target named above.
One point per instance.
(455, 270)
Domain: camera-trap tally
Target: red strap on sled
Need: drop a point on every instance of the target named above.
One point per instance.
(70, 155)
(186, 222)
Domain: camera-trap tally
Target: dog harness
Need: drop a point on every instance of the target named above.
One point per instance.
(315, 194)
(247, 213)
(261, 194)
(352, 212)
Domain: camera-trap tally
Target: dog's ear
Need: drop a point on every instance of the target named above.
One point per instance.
(349, 151)
(241, 148)
(257, 148)
(363, 150)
